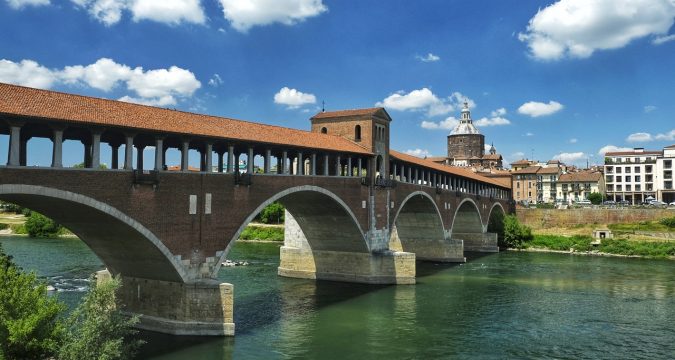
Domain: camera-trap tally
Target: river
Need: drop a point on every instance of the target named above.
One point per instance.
(507, 305)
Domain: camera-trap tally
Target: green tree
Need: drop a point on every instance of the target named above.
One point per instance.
(41, 226)
(595, 198)
(515, 234)
(29, 319)
(496, 225)
(273, 213)
(97, 329)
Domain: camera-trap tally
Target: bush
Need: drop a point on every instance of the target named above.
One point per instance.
(29, 319)
(41, 226)
(97, 330)
(262, 233)
(669, 222)
(272, 214)
(3, 226)
(595, 198)
(515, 234)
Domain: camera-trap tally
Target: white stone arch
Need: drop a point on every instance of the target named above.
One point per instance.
(424, 194)
(417, 226)
(280, 195)
(14, 191)
(475, 206)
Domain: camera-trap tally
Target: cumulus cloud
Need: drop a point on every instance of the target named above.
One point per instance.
(418, 152)
(577, 28)
(428, 58)
(245, 14)
(18, 4)
(536, 109)
(649, 108)
(612, 148)
(663, 39)
(528, 134)
(172, 12)
(447, 124)
(669, 136)
(155, 87)
(496, 118)
(424, 100)
(293, 98)
(639, 137)
(570, 157)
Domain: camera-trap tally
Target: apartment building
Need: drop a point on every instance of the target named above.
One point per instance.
(633, 175)
(547, 183)
(524, 184)
(578, 185)
(663, 177)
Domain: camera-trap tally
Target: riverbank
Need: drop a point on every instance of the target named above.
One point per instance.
(585, 253)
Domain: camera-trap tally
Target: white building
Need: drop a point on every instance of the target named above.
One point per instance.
(663, 177)
(633, 175)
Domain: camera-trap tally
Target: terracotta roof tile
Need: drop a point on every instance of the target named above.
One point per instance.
(521, 162)
(583, 176)
(443, 168)
(620, 153)
(52, 105)
(528, 170)
(351, 112)
(549, 170)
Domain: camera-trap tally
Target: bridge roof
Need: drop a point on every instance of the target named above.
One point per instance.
(83, 110)
(453, 170)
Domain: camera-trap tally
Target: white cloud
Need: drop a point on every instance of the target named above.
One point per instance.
(649, 108)
(639, 137)
(293, 98)
(493, 121)
(612, 148)
(424, 100)
(18, 4)
(171, 12)
(528, 134)
(669, 136)
(536, 109)
(156, 87)
(418, 152)
(487, 147)
(428, 58)
(577, 28)
(26, 73)
(245, 14)
(215, 81)
(498, 112)
(663, 39)
(573, 140)
(570, 158)
(447, 124)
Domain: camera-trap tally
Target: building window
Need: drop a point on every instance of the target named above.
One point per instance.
(529, 194)
(649, 178)
(357, 133)
(638, 187)
(627, 169)
(668, 185)
(610, 187)
(618, 188)
(668, 174)
(667, 164)
(637, 169)
(609, 178)
(529, 184)
(618, 170)
(648, 168)
(627, 178)
(518, 185)
(628, 187)
(650, 187)
(618, 179)
(638, 178)
(324, 130)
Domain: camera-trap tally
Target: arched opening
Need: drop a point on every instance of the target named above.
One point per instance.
(324, 130)
(357, 133)
(312, 216)
(123, 245)
(467, 219)
(418, 228)
(379, 166)
(496, 222)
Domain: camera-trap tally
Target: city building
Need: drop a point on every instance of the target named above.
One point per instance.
(547, 177)
(664, 175)
(524, 184)
(578, 185)
(632, 175)
(521, 164)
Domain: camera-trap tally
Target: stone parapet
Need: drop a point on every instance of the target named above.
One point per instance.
(379, 268)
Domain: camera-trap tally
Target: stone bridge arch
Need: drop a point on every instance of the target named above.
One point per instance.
(468, 225)
(418, 228)
(123, 244)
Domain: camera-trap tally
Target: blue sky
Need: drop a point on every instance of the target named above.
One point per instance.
(550, 79)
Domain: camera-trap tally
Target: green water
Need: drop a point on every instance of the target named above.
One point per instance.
(501, 306)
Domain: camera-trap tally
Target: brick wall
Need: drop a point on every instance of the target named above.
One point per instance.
(540, 218)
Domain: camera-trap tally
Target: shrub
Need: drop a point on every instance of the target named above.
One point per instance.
(669, 222)
(41, 226)
(3, 226)
(262, 233)
(29, 319)
(595, 198)
(515, 234)
(272, 214)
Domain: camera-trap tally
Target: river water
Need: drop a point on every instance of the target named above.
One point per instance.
(500, 306)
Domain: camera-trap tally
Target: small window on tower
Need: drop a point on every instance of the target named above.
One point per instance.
(357, 133)
(324, 130)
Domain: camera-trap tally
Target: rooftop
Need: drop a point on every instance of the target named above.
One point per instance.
(582, 176)
(83, 110)
(350, 112)
(528, 170)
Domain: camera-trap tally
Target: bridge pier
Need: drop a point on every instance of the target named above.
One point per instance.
(442, 250)
(202, 308)
(478, 242)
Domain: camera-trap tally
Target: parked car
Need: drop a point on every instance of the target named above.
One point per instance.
(672, 204)
(657, 203)
(609, 202)
(583, 202)
(623, 202)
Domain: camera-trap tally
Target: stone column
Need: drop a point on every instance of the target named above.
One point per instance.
(249, 161)
(301, 164)
(314, 164)
(284, 162)
(409, 177)
(325, 165)
(184, 160)
(268, 159)
(159, 153)
(14, 157)
(230, 158)
(129, 152)
(95, 149)
(115, 156)
(209, 157)
(417, 175)
(57, 149)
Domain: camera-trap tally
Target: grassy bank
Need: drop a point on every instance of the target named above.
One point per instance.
(649, 249)
(262, 232)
